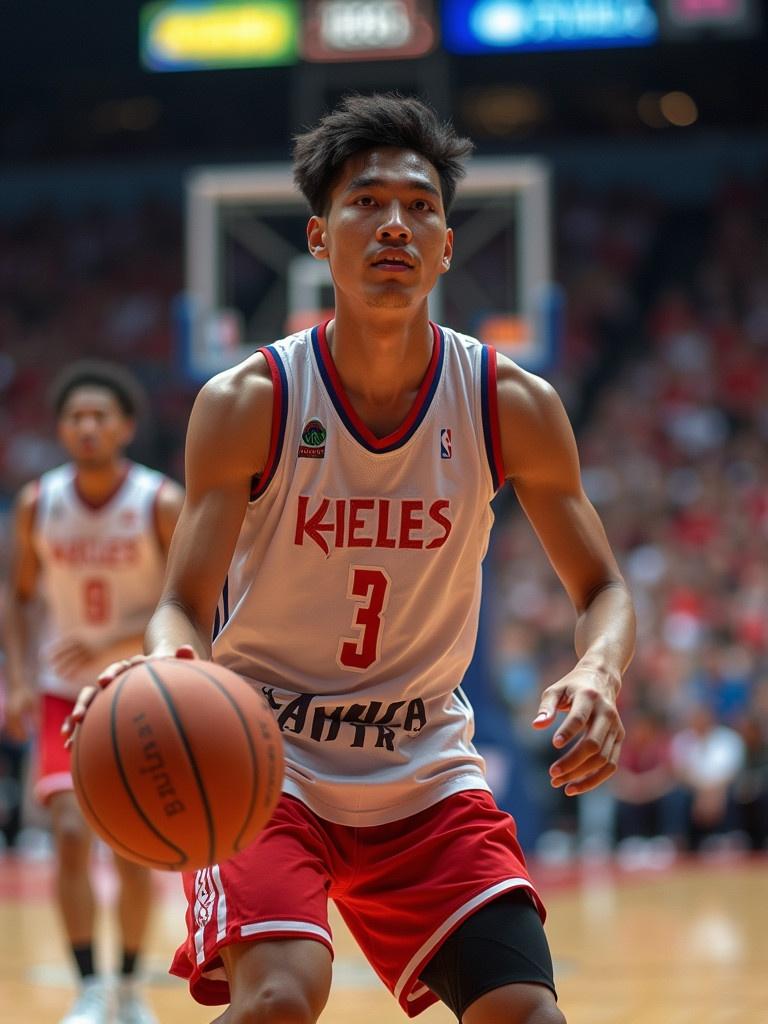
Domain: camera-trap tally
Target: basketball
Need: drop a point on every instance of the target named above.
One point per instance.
(178, 764)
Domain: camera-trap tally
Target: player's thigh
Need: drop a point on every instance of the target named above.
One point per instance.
(497, 966)
(277, 982)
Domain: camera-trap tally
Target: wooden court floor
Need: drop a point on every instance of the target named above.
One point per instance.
(688, 945)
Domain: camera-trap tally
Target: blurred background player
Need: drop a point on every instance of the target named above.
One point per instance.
(90, 542)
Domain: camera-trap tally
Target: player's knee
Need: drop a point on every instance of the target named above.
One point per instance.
(73, 841)
(515, 1004)
(273, 1004)
(536, 1015)
(546, 1015)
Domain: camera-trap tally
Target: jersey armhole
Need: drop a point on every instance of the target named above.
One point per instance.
(490, 407)
(260, 483)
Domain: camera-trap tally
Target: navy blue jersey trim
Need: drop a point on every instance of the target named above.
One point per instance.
(339, 406)
(222, 610)
(279, 420)
(488, 431)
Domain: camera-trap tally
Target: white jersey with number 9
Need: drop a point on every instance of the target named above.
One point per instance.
(101, 566)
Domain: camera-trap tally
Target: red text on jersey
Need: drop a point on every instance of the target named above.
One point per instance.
(372, 523)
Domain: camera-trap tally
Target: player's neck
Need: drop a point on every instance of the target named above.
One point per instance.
(383, 358)
(96, 484)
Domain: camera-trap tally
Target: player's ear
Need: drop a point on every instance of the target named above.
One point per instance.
(316, 238)
(445, 263)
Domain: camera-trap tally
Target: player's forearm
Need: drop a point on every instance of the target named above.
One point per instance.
(605, 631)
(173, 626)
(16, 643)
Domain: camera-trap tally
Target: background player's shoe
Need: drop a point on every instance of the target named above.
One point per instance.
(92, 1005)
(131, 1008)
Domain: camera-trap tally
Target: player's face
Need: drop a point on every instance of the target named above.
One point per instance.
(385, 233)
(93, 427)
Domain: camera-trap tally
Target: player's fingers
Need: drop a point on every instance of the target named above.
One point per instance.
(77, 714)
(111, 672)
(589, 708)
(597, 741)
(553, 699)
(186, 651)
(589, 765)
(604, 770)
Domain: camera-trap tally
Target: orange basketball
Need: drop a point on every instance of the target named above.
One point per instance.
(178, 764)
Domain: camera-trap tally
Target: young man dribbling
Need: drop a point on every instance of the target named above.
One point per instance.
(336, 517)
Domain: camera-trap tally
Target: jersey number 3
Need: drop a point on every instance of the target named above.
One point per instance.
(369, 587)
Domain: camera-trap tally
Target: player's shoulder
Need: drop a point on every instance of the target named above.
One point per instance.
(517, 388)
(42, 489)
(55, 479)
(248, 386)
(153, 480)
(521, 390)
(28, 496)
(237, 387)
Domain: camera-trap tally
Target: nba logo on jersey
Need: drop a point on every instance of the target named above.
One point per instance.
(446, 448)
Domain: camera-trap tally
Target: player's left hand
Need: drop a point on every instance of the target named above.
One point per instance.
(105, 677)
(70, 657)
(592, 720)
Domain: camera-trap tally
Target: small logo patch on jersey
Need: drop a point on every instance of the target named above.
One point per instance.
(446, 445)
(312, 440)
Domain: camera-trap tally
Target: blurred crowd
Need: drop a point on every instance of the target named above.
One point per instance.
(664, 370)
(667, 337)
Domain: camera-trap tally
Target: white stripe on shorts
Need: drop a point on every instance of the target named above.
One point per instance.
(422, 954)
(221, 907)
(286, 926)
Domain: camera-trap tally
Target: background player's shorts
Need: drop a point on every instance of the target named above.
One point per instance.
(53, 759)
(402, 889)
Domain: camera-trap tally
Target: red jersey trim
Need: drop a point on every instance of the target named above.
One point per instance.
(279, 414)
(344, 407)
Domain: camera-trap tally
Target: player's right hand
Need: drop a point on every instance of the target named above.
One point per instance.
(22, 708)
(107, 676)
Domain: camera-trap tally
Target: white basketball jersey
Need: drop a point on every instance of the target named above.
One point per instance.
(101, 567)
(353, 595)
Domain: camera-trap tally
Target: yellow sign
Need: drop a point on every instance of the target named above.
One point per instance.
(183, 35)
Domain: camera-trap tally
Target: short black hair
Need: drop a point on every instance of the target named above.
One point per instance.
(362, 122)
(116, 379)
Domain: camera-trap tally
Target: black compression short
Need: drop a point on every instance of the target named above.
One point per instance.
(500, 944)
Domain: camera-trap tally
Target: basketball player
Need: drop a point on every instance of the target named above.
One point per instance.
(336, 517)
(90, 543)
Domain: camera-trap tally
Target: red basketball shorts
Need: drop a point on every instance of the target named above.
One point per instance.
(53, 761)
(401, 888)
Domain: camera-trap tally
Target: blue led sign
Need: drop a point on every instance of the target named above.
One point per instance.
(482, 26)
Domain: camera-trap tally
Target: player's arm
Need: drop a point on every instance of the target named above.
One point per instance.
(541, 461)
(24, 570)
(228, 438)
(170, 500)
(227, 444)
